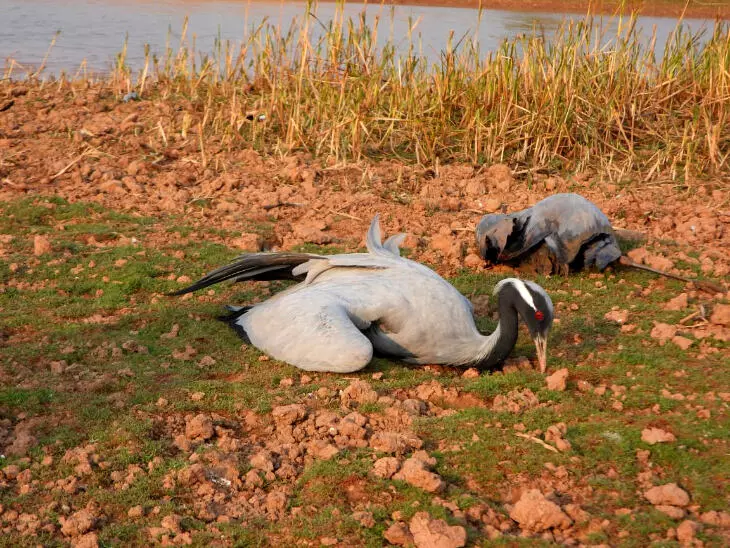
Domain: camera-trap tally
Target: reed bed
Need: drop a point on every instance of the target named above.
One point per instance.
(580, 99)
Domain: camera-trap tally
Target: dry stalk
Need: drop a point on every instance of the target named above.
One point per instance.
(583, 98)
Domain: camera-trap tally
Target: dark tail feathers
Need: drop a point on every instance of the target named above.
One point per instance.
(236, 312)
(253, 266)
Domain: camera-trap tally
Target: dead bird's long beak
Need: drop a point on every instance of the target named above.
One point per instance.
(541, 347)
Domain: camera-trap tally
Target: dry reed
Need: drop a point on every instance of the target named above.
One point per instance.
(580, 99)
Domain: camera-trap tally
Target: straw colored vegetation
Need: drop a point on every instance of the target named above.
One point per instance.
(580, 99)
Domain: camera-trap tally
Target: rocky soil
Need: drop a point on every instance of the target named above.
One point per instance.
(398, 438)
(84, 144)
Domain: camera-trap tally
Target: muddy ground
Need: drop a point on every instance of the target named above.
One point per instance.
(127, 418)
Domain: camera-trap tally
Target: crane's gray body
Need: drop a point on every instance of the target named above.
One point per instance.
(351, 305)
(576, 233)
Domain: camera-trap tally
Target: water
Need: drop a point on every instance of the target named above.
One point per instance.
(93, 31)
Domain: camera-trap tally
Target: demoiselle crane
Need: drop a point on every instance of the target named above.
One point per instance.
(574, 230)
(575, 233)
(348, 306)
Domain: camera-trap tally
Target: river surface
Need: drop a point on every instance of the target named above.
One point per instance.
(93, 31)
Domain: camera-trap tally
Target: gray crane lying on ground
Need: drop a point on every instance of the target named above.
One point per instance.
(349, 306)
(565, 230)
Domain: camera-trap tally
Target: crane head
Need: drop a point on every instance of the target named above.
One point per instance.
(534, 306)
(493, 233)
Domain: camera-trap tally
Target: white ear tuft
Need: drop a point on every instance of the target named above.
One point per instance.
(521, 288)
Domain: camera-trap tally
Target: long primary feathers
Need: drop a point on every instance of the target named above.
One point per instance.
(299, 266)
(254, 266)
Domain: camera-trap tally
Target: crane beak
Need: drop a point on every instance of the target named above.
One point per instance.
(541, 347)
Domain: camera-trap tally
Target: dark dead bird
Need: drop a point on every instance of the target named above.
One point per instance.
(348, 306)
(567, 230)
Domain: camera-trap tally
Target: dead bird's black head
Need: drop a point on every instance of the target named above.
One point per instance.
(492, 234)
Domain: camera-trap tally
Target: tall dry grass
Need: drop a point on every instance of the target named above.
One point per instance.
(580, 99)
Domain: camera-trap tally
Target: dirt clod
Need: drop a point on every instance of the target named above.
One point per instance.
(435, 533)
(662, 332)
(682, 342)
(320, 449)
(135, 512)
(556, 434)
(618, 316)
(536, 513)
(358, 393)
(22, 442)
(89, 540)
(416, 472)
(719, 519)
(394, 442)
(398, 534)
(470, 373)
(41, 245)
(680, 302)
(289, 414)
(199, 428)
(386, 467)
(721, 315)
(656, 435)
(78, 523)
(172, 523)
(673, 512)
(669, 494)
(686, 531)
(515, 401)
(558, 380)
(262, 460)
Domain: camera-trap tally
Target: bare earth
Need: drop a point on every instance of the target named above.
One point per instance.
(90, 147)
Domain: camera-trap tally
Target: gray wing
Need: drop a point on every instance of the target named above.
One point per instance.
(379, 256)
(318, 325)
(390, 248)
(393, 243)
(531, 230)
(311, 332)
(568, 222)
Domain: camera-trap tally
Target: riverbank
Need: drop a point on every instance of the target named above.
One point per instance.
(658, 8)
(589, 96)
(75, 50)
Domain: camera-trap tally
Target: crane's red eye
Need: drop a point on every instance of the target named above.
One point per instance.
(539, 316)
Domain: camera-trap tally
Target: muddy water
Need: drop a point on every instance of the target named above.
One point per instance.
(92, 32)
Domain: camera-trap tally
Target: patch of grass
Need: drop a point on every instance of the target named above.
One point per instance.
(29, 400)
(108, 369)
(256, 534)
